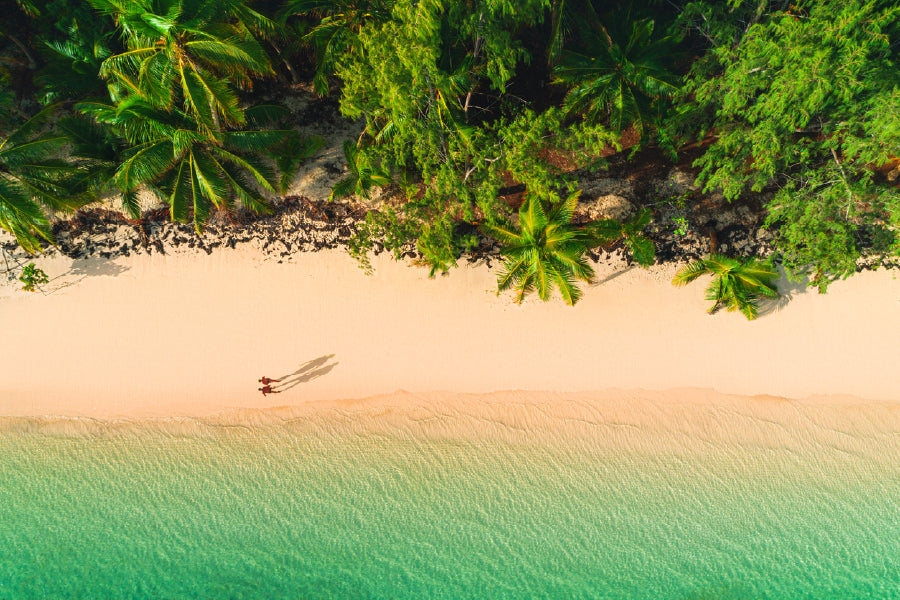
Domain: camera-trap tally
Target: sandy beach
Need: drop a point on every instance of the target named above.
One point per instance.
(190, 334)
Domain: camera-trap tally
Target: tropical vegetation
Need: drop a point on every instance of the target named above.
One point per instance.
(478, 117)
(544, 251)
(630, 232)
(737, 284)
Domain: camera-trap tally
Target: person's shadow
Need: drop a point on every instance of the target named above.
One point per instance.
(308, 371)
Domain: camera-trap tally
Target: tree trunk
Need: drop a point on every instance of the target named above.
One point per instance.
(713, 239)
(287, 63)
(32, 62)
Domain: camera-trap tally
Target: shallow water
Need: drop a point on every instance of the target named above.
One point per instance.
(456, 504)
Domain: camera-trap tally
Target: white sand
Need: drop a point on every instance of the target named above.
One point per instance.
(191, 334)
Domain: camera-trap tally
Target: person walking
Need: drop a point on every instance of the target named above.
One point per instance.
(267, 389)
(266, 381)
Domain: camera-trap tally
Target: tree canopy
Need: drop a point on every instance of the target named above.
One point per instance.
(468, 107)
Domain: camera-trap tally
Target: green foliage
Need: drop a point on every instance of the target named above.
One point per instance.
(610, 231)
(73, 64)
(428, 81)
(289, 153)
(32, 278)
(292, 152)
(339, 22)
(807, 100)
(566, 18)
(363, 177)
(189, 53)
(544, 251)
(619, 77)
(33, 178)
(738, 285)
(97, 152)
(191, 169)
(465, 188)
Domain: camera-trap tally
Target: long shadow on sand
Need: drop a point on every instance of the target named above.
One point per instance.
(612, 276)
(308, 371)
(81, 269)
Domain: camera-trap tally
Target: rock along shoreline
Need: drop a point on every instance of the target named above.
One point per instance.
(299, 224)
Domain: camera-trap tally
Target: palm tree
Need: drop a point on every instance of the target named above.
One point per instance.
(610, 231)
(188, 52)
(363, 177)
(191, 169)
(544, 251)
(339, 21)
(618, 77)
(566, 16)
(97, 152)
(31, 179)
(73, 65)
(736, 285)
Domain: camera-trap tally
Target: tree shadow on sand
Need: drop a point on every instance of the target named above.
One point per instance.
(81, 269)
(788, 289)
(94, 267)
(611, 276)
(308, 371)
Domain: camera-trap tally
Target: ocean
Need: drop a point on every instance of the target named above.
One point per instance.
(460, 497)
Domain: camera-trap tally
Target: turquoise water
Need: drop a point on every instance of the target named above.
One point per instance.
(333, 509)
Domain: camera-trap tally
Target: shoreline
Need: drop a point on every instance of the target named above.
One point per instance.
(674, 423)
(188, 334)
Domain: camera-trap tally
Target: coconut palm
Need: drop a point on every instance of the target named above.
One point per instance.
(188, 52)
(193, 170)
(736, 284)
(339, 21)
(544, 251)
(97, 151)
(618, 77)
(73, 65)
(567, 16)
(610, 231)
(32, 178)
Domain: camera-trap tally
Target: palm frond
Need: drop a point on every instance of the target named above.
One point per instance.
(567, 288)
(23, 217)
(242, 189)
(260, 172)
(343, 188)
(181, 191)
(196, 101)
(155, 79)
(642, 250)
(30, 127)
(690, 272)
(291, 153)
(235, 56)
(212, 185)
(131, 204)
(507, 237)
(512, 272)
(262, 115)
(144, 163)
(257, 141)
(525, 286)
(19, 154)
(605, 231)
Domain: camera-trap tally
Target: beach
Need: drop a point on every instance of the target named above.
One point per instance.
(435, 440)
(190, 334)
